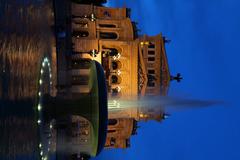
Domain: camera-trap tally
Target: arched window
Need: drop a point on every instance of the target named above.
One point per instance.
(83, 24)
(116, 79)
(112, 122)
(112, 141)
(78, 34)
(108, 35)
(116, 65)
(107, 25)
(113, 52)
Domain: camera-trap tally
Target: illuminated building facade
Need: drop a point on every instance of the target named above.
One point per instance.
(135, 66)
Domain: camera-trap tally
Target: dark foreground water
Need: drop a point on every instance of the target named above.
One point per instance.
(21, 136)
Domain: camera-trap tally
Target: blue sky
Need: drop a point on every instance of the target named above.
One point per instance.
(205, 49)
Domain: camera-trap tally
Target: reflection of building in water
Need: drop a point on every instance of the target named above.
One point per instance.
(80, 129)
(134, 65)
(80, 133)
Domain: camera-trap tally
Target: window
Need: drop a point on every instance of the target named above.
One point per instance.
(83, 24)
(113, 52)
(78, 34)
(151, 45)
(112, 122)
(151, 77)
(107, 25)
(151, 71)
(108, 35)
(112, 141)
(116, 79)
(106, 14)
(151, 80)
(116, 65)
(111, 131)
(151, 52)
(151, 58)
(151, 84)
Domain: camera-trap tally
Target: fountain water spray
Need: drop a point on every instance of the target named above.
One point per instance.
(160, 101)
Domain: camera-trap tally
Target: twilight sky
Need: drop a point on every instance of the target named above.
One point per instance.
(205, 49)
